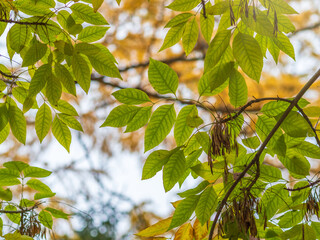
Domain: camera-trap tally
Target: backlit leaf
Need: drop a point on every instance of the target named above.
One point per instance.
(17, 123)
(46, 219)
(131, 96)
(173, 170)
(140, 119)
(207, 204)
(206, 26)
(184, 211)
(238, 91)
(182, 130)
(62, 133)
(185, 232)
(162, 78)
(180, 18)
(36, 172)
(92, 33)
(183, 5)
(160, 124)
(81, 71)
(190, 36)
(43, 121)
(247, 52)
(120, 116)
(87, 14)
(173, 36)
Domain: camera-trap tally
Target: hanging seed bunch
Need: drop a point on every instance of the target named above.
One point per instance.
(223, 140)
(31, 226)
(242, 213)
(312, 206)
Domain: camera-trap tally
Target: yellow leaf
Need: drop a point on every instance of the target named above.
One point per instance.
(200, 232)
(96, 4)
(176, 203)
(156, 229)
(185, 232)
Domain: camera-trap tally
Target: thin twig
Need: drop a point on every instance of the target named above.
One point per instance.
(300, 188)
(262, 147)
(22, 23)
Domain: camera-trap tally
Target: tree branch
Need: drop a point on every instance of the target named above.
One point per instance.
(22, 210)
(300, 188)
(22, 23)
(316, 25)
(262, 147)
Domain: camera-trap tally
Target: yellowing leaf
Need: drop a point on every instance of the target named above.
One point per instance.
(199, 231)
(156, 229)
(185, 232)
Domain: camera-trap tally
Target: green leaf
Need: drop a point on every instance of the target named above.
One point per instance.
(195, 190)
(64, 76)
(284, 44)
(82, 71)
(273, 199)
(3, 116)
(9, 173)
(284, 23)
(36, 172)
(104, 62)
(57, 213)
(219, 74)
(264, 126)
(183, 5)
(251, 142)
(190, 36)
(184, 211)
(206, 26)
(120, 116)
(53, 90)
(14, 217)
(87, 14)
(15, 165)
(131, 96)
(173, 170)
(238, 91)
(173, 36)
(154, 163)
(295, 125)
(38, 186)
(181, 129)
(218, 8)
(279, 6)
(45, 219)
(270, 173)
(71, 121)
(65, 107)
(34, 8)
(5, 195)
(26, 203)
(140, 119)
(193, 120)
(247, 52)
(42, 195)
(4, 133)
(215, 80)
(216, 49)
(17, 123)
(9, 182)
(258, 23)
(92, 33)
(274, 50)
(263, 43)
(18, 37)
(62, 133)
(295, 163)
(36, 51)
(203, 170)
(307, 149)
(180, 18)
(162, 78)
(290, 219)
(159, 126)
(43, 121)
(204, 140)
(39, 79)
(87, 49)
(207, 204)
